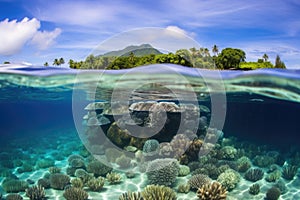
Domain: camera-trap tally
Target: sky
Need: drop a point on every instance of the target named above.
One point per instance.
(38, 31)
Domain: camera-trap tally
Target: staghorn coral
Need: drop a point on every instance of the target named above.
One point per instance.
(289, 172)
(113, 178)
(229, 179)
(198, 180)
(98, 168)
(254, 174)
(14, 185)
(131, 196)
(213, 191)
(254, 189)
(96, 184)
(273, 193)
(162, 171)
(72, 193)
(36, 193)
(157, 192)
(13, 197)
(59, 181)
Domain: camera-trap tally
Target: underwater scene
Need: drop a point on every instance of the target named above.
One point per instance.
(157, 132)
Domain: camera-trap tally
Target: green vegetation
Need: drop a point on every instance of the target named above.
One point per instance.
(145, 54)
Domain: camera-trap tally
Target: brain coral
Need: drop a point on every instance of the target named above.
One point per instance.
(162, 171)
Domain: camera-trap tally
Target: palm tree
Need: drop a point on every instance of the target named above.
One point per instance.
(56, 62)
(265, 57)
(61, 61)
(215, 50)
(46, 64)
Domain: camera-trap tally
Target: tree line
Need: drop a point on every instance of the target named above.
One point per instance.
(228, 58)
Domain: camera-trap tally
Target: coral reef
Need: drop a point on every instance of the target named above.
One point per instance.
(254, 174)
(14, 185)
(98, 168)
(151, 147)
(243, 164)
(180, 143)
(229, 179)
(96, 184)
(273, 193)
(273, 176)
(228, 153)
(83, 175)
(289, 172)
(112, 154)
(183, 188)
(156, 192)
(13, 197)
(254, 189)
(131, 196)
(44, 182)
(162, 171)
(53, 170)
(113, 178)
(192, 152)
(72, 193)
(59, 181)
(281, 186)
(213, 191)
(77, 182)
(36, 193)
(183, 170)
(198, 180)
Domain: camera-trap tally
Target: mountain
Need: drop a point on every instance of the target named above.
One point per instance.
(141, 50)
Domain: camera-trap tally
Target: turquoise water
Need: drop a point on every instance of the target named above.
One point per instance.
(254, 115)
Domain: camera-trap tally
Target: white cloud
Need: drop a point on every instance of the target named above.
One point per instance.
(13, 34)
(44, 39)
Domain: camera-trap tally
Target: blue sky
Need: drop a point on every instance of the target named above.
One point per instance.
(39, 31)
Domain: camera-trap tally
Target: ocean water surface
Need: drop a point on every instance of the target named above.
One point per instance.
(252, 116)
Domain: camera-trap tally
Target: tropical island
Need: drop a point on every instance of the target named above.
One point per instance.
(145, 54)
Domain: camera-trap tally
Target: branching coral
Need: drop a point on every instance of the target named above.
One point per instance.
(72, 193)
(113, 178)
(156, 192)
(96, 184)
(254, 174)
(289, 171)
(198, 180)
(213, 191)
(254, 189)
(36, 193)
(131, 196)
(162, 171)
(77, 182)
